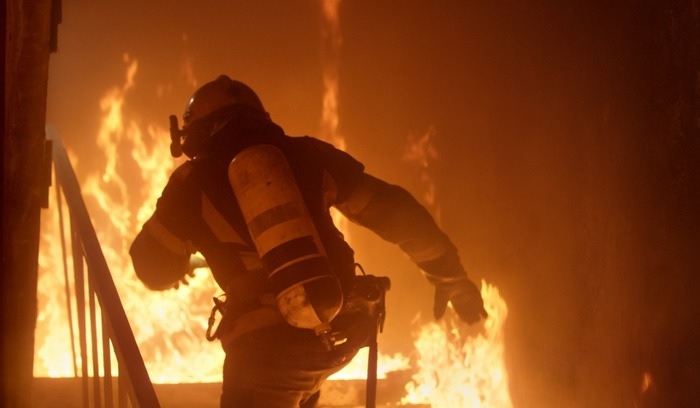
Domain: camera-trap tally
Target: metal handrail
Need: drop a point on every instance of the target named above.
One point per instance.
(86, 248)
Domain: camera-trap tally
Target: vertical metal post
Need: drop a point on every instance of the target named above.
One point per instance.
(79, 276)
(380, 285)
(121, 389)
(107, 362)
(93, 336)
(371, 396)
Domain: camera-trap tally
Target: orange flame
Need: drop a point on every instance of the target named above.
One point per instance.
(330, 55)
(332, 41)
(646, 382)
(55, 358)
(169, 326)
(456, 370)
(462, 371)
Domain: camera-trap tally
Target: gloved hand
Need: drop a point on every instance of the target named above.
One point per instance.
(195, 262)
(465, 298)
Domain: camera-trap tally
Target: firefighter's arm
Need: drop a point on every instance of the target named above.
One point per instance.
(161, 259)
(161, 251)
(396, 216)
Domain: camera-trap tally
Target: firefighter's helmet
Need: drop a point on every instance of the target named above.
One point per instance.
(207, 109)
(217, 94)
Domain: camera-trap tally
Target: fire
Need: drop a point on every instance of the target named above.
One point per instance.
(457, 370)
(646, 382)
(330, 55)
(357, 369)
(329, 58)
(169, 326)
(55, 358)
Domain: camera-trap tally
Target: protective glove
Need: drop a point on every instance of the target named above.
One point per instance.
(465, 298)
(194, 263)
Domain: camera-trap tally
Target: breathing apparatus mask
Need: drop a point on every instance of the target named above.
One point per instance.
(193, 137)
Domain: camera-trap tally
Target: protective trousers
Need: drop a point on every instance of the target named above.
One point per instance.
(284, 367)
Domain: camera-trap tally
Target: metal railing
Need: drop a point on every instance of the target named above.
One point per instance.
(93, 281)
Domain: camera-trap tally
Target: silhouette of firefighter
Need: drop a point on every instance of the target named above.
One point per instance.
(254, 202)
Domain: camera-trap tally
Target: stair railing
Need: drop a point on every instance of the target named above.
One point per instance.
(91, 272)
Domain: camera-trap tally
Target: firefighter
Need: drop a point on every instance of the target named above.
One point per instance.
(254, 203)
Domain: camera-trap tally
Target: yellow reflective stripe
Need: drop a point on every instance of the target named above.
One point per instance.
(222, 230)
(443, 279)
(430, 253)
(165, 237)
(359, 198)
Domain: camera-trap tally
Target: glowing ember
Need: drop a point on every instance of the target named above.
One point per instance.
(462, 371)
(646, 382)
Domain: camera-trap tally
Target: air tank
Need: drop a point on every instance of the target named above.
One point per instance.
(308, 293)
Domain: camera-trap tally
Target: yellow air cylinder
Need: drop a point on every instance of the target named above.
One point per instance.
(308, 293)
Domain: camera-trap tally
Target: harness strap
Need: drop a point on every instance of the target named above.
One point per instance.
(251, 321)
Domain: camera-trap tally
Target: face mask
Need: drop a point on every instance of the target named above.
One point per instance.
(197, 134)
(191, 139)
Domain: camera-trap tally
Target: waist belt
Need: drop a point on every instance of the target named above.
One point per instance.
(365, 297)
(254, 320)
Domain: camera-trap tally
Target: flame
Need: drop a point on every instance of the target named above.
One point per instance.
(646, 382)
(454, 369)
(462, 371)
(169, 326)
(357, 369)
(330, 57)
(55, 358)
